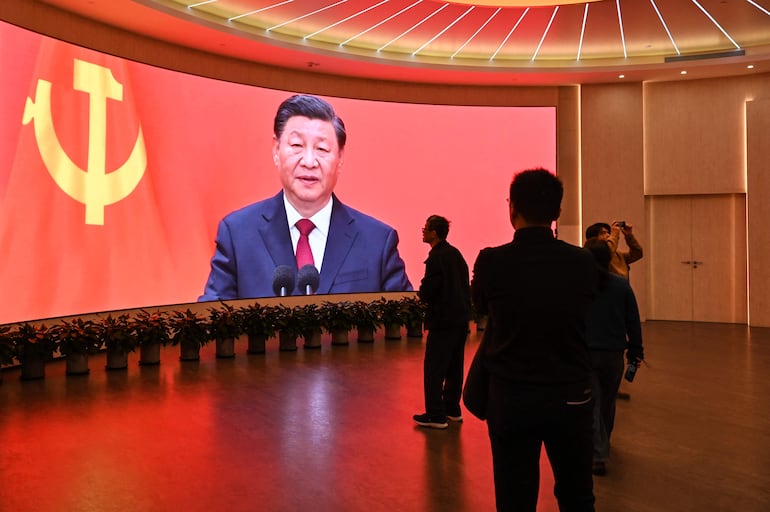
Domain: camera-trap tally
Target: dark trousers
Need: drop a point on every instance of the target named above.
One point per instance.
(605, 383)
(443, 370)
(521, 419)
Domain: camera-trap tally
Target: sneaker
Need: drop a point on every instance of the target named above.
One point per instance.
(425, 420)
(454, 413)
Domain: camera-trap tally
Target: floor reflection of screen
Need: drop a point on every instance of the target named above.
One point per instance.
(114, 174)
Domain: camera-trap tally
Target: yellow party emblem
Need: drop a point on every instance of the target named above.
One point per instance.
(93, 187)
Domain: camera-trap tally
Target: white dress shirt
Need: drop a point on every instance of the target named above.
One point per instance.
(318, 236)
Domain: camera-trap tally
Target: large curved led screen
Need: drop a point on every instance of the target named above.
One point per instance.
(114, 175)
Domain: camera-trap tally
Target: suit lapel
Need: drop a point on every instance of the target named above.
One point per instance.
(342, 234)
(275, 232)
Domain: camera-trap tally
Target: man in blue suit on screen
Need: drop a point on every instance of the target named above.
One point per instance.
(304, 226)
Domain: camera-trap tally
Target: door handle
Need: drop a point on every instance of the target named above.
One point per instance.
(693, 264)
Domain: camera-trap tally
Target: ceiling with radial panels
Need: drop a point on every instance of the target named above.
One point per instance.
(485, 42)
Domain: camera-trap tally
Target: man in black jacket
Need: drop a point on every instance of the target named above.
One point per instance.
(446, 290)
(537, 291)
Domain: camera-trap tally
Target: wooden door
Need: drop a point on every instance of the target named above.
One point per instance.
(698, 258)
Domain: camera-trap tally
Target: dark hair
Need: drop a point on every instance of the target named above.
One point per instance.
(311, 107)
(440, 225)
(602, 254)
(536, 194)
(594, 230)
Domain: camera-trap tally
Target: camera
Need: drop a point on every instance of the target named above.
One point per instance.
(631, 371)
(621, 224)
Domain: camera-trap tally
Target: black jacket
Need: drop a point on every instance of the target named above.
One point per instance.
(537, 291)
(446, 288)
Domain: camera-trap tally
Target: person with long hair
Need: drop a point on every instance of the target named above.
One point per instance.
(613, 328)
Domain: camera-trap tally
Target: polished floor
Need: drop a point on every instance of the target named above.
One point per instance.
(330, 430)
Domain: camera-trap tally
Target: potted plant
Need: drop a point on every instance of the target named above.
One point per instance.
(258, 323)
(309, 323)
(414, 315)
(288, 323)
(151, 332)
(118, 337)
(190, 331)
(224, 327)
(367, 320)
(6, 347)
(391, 313)
(34, 345)
(338, 318)
(78, 339)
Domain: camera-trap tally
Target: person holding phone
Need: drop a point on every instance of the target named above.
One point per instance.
(613, 328)
(621, 260)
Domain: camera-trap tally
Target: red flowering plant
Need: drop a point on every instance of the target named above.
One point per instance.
(188, 328)
(306, 320)
(117, 333)
(291, 321)
(391, 312)
(78, 336)
(337, 316)
(366, 315)
(6, 345)
(224, 322)
(34, 341)
(257, 320)
(413, 310)
(149, 328)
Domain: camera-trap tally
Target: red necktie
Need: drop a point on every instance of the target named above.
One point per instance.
(304, 254)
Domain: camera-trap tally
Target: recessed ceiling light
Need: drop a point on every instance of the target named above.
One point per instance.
(750, 66)
(621, 76)
(683, 72)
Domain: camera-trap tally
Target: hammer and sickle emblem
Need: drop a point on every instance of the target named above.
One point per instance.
(92, 187)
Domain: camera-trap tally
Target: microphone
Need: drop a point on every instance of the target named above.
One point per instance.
(283, 280)
(308, 279)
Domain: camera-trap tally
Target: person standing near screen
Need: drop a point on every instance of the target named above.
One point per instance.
(305, 223)
(537, 291)
(446, 291)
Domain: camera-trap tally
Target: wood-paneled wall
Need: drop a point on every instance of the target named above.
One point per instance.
(612, 159)
(697, 142)
(568, 162)
(695, 133)
(758, 206)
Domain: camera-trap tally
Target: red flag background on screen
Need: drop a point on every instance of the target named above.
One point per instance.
(114, 174)
(78, 226)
